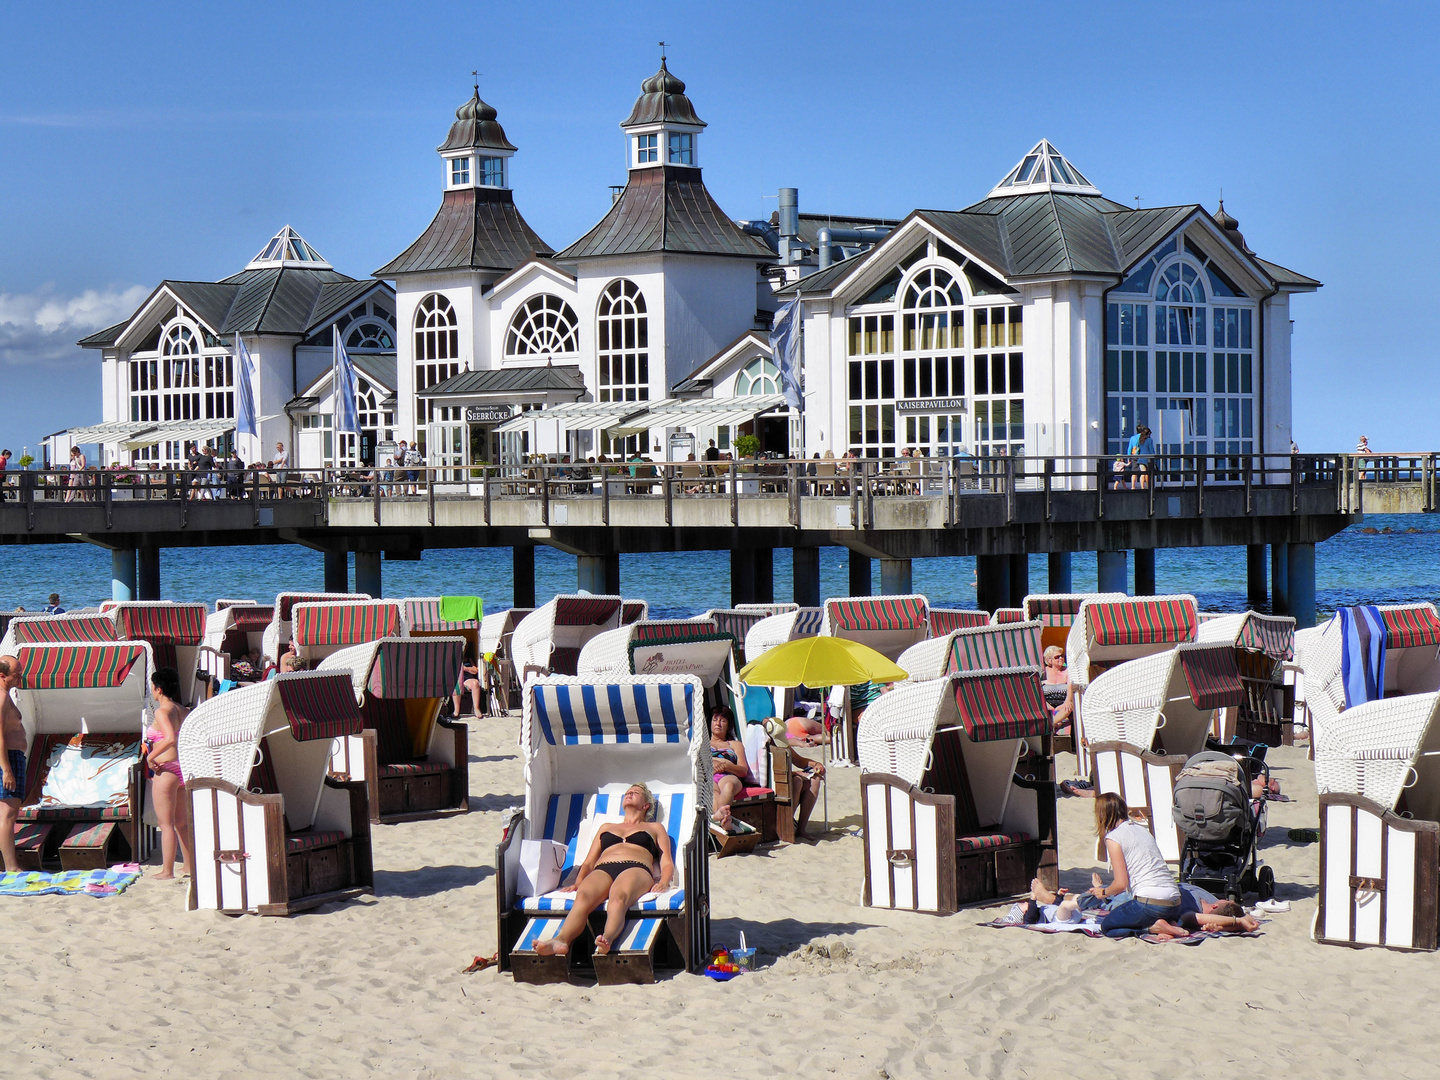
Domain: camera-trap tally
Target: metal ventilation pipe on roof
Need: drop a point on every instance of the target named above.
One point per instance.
(764, 230)
(788, 219)
(872, 235)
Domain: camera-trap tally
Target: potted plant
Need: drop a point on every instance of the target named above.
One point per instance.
(747, 446)
(27, 460)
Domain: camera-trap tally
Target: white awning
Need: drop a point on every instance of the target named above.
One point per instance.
(178, 431)
(577, 415)
(702, 412)
(112, 431)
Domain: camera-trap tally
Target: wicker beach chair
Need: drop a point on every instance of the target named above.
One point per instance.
(234, 630)
(633, 611)
(943, 620)
(496, 631)
(1056, 612)
(84, 707)
(549, 639)
(1109, 631)
(40, 629)
(585, 743)
(1264, 650)
(957, 791)
(278, 633)
(274, 832)
(1377, 769)
(411, 761)
(889, 625)
(323, 628)
(175, 633)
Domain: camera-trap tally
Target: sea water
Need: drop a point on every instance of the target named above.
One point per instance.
(1387, 559)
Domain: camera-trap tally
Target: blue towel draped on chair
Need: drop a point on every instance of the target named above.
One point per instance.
(1362, 655)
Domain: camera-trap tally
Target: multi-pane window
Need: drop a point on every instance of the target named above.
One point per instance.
(681, 149)
(492, 171)
(623, 344)
(437, 354)
(144, 390)
(999, 396)
(544, 326)
(375, 423)
(1192, 349)
(647, 149)
(367, 327)
(180, 372)
(459, 171)
(759, 376)
(872, 385)
(220, 387)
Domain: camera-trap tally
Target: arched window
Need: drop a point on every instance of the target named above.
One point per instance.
(180, 367)
(760, 376)
(544, 326)
(437, 355)
(623, 337)
(1180, 284)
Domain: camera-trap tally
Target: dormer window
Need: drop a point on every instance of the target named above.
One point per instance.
(647, 149)
(492, 171)
(681, 149)
(460, 171)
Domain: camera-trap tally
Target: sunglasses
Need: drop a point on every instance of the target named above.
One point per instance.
(1058, 661)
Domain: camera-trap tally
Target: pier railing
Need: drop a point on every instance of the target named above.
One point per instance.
(860, 482)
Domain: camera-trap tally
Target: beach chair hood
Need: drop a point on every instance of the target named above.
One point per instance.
(1107, 632)
(279, 631)
(424, 614)
(566, 622)
(38, 629)
(329, 626)
(1273, 635)
(776, 630)
(986, 648)
(97, 687)
(1383, 749)
(888, 624)
(944, 620)
(1176, 690)
(400, 668)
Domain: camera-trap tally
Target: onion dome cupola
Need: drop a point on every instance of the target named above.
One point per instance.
(1231, 228)
(662, 128)
(476, 152)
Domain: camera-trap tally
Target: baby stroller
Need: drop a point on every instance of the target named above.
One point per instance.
(1222, 823)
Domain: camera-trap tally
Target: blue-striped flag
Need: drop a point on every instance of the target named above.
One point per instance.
(346, 416)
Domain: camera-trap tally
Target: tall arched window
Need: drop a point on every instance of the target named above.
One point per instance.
(544, 326)
(759, 376)
(180, 366)
(437, 354)
(623, 349)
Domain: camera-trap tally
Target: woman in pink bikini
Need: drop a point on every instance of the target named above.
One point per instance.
(167, 785)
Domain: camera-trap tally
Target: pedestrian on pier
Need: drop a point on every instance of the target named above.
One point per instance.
(4, 465)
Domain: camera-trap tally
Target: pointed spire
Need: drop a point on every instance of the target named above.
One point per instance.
(1043, 169)
(288, 248)
(476, 126)
(1231, 228)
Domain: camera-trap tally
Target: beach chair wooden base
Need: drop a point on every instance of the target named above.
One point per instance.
(761, 813)
(632, 959)
(31, 838)
(531, 967)
(726, 844)
(1379, 877)
(92, 847)
(1146, 781)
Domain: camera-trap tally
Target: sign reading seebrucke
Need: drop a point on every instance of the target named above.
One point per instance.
(943, 404)
(487, 414)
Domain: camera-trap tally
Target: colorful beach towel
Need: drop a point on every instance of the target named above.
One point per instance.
(460, 609)
(1362, 654)
(109, 882)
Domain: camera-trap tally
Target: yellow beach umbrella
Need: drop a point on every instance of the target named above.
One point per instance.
(821, 661)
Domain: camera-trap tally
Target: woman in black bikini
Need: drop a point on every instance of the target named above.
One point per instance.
(620, 867)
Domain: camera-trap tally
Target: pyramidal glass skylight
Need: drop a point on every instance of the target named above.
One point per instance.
(1044, 169)
(288, 248)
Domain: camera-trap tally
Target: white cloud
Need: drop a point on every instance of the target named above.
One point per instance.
(43, 326)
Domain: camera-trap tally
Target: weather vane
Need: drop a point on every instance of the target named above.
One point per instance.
(476, 76)
(662, 52)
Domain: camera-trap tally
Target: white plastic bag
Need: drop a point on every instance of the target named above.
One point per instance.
(540, 865)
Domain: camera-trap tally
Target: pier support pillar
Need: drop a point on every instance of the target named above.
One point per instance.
(992, 581)
(764, 575)
(895, 577)
(148, 573)
(337, 572)
(1111, 569)
(367, 573)
(122, 574)
(1256, 592)
(742, 576)
(860, 574)
(806, 571)
(598, 574)
(522, 570)
(1061, 577)
(1279, 580)
(1019, 579)
(1144, 571)
(1300, 570)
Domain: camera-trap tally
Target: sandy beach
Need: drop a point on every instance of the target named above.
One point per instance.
(135, 985)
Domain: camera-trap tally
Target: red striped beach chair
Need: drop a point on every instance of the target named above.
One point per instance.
(278, 633)
(175, 633)
(496, 633)
(957, 791)
(84, 707)
(1264, 648)
(889, 625)
(412, 762)
(274, 832)
(944, 620)
(549, 639)
(324, 628)
(232, 633)
(585, 744)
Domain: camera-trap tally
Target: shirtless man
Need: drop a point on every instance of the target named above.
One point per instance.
(12, 761)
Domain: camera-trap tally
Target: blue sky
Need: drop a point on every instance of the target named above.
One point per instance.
(173, 140)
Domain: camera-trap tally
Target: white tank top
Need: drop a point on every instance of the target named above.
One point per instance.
(1149, 876)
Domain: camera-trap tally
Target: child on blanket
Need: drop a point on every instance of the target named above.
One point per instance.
(1199, 910)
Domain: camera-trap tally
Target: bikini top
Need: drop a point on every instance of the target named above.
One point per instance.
(640, 838)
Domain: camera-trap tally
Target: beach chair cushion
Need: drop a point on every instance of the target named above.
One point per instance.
(988, 841)
(564, 661)
(669, 900)
(305, 841)
(90, 836)
(413, 768)
(74, 813)
(30, 835)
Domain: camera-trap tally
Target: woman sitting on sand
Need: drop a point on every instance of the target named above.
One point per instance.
(1143, 883)
(620, 867)
(167, 785)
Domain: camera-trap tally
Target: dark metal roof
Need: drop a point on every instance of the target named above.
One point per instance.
(1282, 276)
(211, 301)
(662, 100)
(666, 209)
(103, 339)
(475, 229)
(337, 297)
(811, 224)
(475, 127)
(510, 380)
(379, 368)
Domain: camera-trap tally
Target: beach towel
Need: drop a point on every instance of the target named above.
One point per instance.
(459, 609)
(109, 882)
(92, 774)
(1362, 654)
